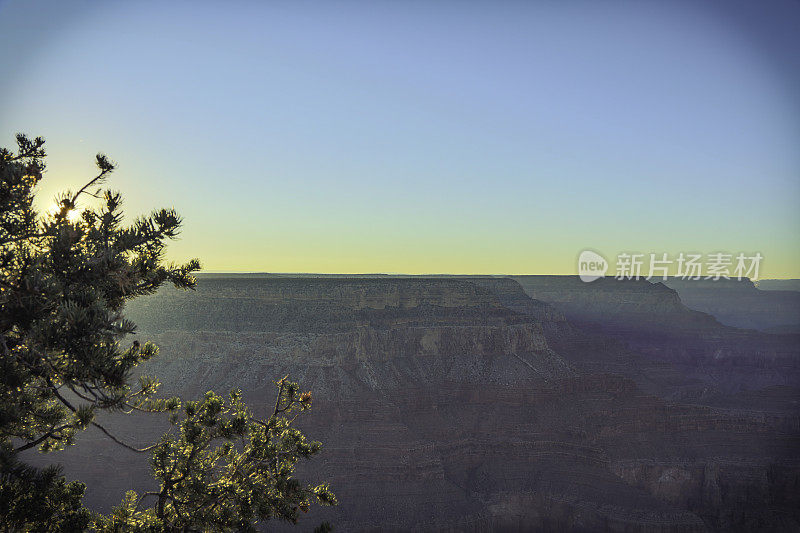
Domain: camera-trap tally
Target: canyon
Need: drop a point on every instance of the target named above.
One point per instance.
(488, 403)
(742, 304)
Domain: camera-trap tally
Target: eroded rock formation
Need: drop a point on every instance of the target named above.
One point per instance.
(464, 404)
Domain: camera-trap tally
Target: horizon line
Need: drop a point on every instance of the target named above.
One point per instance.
(243, 272)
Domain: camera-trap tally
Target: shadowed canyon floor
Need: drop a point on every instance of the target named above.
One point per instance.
(489, 403)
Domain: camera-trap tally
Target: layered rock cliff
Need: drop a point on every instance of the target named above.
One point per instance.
(651, 320)
(383, 332)
(463, 404)
(739, 303)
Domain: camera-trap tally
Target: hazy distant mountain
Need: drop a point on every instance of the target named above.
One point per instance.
(779, 284)
(741, 303)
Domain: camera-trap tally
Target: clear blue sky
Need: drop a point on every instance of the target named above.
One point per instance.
(464, 137)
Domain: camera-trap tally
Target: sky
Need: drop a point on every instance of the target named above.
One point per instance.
(423, 137)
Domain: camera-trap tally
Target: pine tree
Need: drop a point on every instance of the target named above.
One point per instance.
(65, 276)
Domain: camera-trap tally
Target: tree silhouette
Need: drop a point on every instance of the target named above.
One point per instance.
(65, 276)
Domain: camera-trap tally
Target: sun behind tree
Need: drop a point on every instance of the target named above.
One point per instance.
(65, 276)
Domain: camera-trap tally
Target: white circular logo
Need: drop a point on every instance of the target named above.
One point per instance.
(591, 266)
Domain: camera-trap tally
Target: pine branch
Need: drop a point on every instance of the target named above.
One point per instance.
(43, 438)
(101, 428)
(106, 167)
